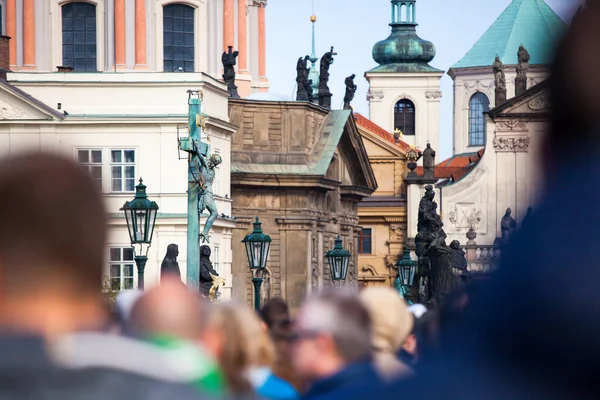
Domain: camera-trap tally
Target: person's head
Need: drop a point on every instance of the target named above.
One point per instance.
(172, 251)
(410, 344)
(391, 322)
(276, 316)
(169, 309)
(52, 244)
(574, 92)
(246, 344)
(215, 160)
(332, 330)
(124, 304)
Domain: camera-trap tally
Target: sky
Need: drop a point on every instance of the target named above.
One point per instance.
(354, 26)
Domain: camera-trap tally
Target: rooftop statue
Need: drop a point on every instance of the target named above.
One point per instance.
(350, 90)
(428, 162)
(228, 59)
(499, 77)
(304, 90)
(508, 225)
(523, 58)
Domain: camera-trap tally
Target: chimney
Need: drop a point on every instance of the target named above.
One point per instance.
(63, 68)
(4, 56)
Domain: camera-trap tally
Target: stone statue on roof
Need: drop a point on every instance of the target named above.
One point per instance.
(228, 60)
(324, 93)
(499, 77)
(302, 70)
(523, 58)
(428, 161)
(350, 90)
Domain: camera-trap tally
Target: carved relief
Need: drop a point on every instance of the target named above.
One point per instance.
(541, 102)
(518, 144)
(374, 95)
(465, 216)
(511, 125)
(433, 94)
(479, 86)
(8, 111)
(396, 232)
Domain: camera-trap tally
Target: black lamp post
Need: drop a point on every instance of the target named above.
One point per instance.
(140, 214)
(257, 250)
(338, 259)
(406, 274)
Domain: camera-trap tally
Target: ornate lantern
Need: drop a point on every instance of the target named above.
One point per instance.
(257, 250)
(338, 259)
(406, 273)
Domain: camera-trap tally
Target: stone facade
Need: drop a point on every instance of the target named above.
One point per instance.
(302, 170)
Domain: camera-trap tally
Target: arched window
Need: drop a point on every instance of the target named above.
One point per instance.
(79, 49)
(478, 104)
(178, 38)
(404, 117)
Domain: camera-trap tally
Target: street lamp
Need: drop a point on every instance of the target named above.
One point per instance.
(140, 214)
(338, 259)
(406, 274)
(257, 250)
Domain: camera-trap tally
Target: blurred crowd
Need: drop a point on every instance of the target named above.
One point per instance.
(528, 332)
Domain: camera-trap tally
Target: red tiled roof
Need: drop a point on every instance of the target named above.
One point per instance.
(455, 167)
(379, 131)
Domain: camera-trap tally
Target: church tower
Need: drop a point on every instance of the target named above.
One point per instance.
(404, 90)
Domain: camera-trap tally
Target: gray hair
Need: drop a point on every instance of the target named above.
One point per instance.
(345, 318)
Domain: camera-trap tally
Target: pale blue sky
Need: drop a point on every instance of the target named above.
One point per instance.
(354, 26)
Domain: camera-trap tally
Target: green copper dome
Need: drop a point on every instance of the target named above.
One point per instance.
(403, 50)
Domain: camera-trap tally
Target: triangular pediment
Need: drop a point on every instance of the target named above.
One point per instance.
(16, 105)
(533, 102)
(377, 147)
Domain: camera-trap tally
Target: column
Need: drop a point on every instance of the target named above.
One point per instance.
(262, 62)
(11, 30)
(242, 42)
(120, 34)
(28, 34)
(228, 24)
(140, 34)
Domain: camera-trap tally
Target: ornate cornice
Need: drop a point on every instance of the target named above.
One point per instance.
(512, 144)
(375, 95)
(511, 125)
(259, 3)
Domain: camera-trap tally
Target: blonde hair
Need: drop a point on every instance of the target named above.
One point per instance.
(246, 343)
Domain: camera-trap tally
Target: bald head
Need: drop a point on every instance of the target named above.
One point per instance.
(169, 309)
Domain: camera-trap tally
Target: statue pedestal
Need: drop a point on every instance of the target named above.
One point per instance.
(520, 85)
(325, 100)
(500, 97)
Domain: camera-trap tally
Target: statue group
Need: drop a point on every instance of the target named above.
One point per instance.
(228, 60)
(442, 268)
(304, 85)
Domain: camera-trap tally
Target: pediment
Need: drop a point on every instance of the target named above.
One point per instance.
(376, 147)
(537, 103)
(354, 168)
(17, 105)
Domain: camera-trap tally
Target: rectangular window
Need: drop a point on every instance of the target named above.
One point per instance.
(122, 170)
(121, 267)
(215, 257)
(178, 38)
(91, 160)
(79, 36)
(364, 241)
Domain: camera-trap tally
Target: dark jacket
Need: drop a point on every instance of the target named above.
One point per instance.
(170, 266)
(28, 371)
(346, 381)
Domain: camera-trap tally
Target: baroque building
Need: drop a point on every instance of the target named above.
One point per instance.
(120, 128)
(138, 35)
(404, 90)
(302, 170)
(382, 216)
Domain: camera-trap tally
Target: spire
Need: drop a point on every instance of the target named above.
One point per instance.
(314, 72)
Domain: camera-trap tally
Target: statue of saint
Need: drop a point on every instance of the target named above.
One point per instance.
(499, 77)
(206, 199)
(326, 61)
(301, 79)
(428, 161)
(507, 226)
(350, 90)
(170, 266)
(206, 271)
(228, 59)
(523, 62)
